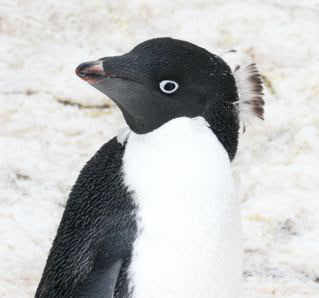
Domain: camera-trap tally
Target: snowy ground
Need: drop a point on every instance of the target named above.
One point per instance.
(50, 124)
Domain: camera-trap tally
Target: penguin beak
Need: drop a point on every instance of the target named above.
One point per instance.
(106, 75)
(92, 72)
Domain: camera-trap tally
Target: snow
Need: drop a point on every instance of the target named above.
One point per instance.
(44, 141)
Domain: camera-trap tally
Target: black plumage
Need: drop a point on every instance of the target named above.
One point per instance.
(96, 233)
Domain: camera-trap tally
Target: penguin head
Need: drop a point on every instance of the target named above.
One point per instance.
(164, 78)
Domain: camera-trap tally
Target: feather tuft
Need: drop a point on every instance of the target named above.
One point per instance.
(250, 92)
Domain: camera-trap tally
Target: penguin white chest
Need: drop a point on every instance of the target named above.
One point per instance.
(189, 228)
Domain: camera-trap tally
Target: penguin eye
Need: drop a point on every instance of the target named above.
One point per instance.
(168, 86)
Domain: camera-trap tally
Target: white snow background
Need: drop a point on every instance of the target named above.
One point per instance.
(52, 123)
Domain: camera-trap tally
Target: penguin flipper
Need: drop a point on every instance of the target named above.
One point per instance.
(101, 281)
(96, 232)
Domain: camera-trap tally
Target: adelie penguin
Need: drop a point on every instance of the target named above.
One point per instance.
(154, 213)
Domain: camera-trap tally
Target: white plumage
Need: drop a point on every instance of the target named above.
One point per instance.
(189, 241)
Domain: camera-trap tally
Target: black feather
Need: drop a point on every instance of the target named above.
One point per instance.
(97, 229)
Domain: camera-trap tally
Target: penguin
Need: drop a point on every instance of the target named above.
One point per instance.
(155, 212)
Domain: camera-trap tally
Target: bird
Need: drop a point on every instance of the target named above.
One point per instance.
(155, 212)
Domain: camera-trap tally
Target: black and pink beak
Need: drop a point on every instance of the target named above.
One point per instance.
(92, 72)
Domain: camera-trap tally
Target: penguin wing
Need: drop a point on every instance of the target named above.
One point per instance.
(94, 240)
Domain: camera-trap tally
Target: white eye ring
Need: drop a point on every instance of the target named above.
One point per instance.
(169, 83)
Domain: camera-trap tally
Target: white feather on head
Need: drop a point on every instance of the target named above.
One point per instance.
(250, 92)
